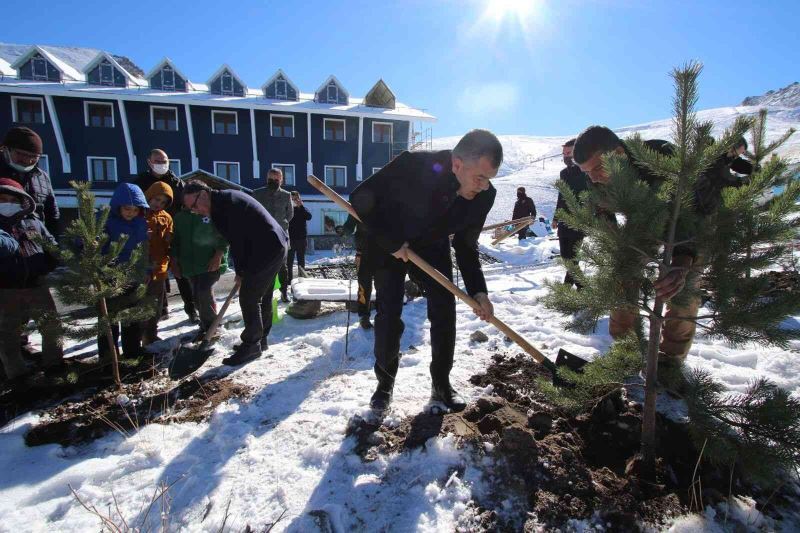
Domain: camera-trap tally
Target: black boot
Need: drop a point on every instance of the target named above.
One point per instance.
(382, 396)
(244, 353)
(264, 344)
(445, 394)
(365, 323)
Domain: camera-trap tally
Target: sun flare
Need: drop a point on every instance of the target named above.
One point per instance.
(500, 9)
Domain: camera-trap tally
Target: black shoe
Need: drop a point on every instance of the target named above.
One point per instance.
(450, 398)
(284, 297)
(244, 353)
(193, 318)
(365, 323)
(264, 344)
(381, 398)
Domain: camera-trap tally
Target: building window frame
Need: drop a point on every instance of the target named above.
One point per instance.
(214, 122)
(334, 185)
(90, 168)
(177, 162)
(281, 95)
(335, 215)
(164, 85)
(15, 112)
(238, 170)
(282, 167)
(375, 170)
(226, 77)
(162, 107)
(43, 157)
(41, 61)
(105, 64)
(283, 128)
(86, 118)
(391, 132)
(330, 86)
(325, 129)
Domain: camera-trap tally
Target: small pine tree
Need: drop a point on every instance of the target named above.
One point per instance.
(89, 276)
(624, 257)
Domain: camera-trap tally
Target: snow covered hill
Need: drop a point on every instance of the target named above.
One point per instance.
(522, 165)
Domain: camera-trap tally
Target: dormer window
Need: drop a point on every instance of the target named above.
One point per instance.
(39, 68)
(227, 84)
(106, 73)
(281, 89)
(333, 93)
(168, 78)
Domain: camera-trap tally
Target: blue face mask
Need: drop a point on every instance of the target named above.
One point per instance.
(9, 209)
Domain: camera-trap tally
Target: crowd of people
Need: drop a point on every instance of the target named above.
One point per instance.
(425, 201)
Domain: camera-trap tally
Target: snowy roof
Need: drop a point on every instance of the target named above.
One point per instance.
(333, 78)
(280, 72)
(68, 71)
(5, 68)
(222, 69)
(168, 61)
(134, 80)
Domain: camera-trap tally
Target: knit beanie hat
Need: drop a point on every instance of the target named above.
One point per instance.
(23, 138)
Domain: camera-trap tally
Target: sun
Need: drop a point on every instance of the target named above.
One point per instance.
(501, 9)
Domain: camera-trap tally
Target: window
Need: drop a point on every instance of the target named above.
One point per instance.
(226, 84)
(106, 73)
(168, 78)
(163, 118)
(331, 219)
(288, 172)
(175, 166)
(225, 122)
(44, 163)
(227, 170)
(99, 114)
(333, 93)
(27, 110)
(282, 125)
(281, 90)
(375, 170)
(39, 68)
(335, 176)
(334, 130)
(102, 168)
(382, 132)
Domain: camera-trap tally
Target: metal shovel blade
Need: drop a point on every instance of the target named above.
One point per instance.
(569, 360)
(188, 359)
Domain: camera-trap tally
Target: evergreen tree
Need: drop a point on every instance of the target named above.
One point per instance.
(90, 276)
(634, 228)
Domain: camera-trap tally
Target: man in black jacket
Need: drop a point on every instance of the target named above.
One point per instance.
(523, 207)
(569, 239)
(298, 236)
(417, 201)
(258, 247)
(158, 170)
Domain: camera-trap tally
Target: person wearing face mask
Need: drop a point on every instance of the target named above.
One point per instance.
(278, 202)
(158, 171)
(569, 239)
(20, 152)
(23, 264)
(523, 207)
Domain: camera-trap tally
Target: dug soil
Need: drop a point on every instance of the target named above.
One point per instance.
(564, 467)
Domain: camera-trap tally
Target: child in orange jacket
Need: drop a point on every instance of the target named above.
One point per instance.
(159, 231)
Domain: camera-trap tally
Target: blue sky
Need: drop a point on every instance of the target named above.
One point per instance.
(552, 70)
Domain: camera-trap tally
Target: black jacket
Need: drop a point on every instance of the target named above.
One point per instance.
(708, 188)
(255, 237)
(413, 198)
(523, 208)
(578, 182)
(37, 184)
(145, 179)
(298, 229)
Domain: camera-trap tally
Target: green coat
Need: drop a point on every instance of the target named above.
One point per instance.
(194, 242)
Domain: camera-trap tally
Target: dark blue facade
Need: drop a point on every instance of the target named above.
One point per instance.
(231, 85)
(45, 131)
(271, 90)
(340, 153)
(341, 99)
(117, 78)
(156, 81)
(378, 154)
(26, 70)
(223, 147)
(144, 138)
(283, 150)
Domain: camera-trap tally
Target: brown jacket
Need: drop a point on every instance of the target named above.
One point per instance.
(159, 231)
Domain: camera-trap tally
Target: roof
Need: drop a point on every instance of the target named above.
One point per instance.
(5, 68)
(335, 80)
(67, 70)
(134, 80)
(222, 69)
(168, 61)
(381, 96)
(274, 77)
(213, 181)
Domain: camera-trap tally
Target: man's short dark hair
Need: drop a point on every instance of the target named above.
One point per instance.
(569, 143)
(477, 144)
(520, 189)
(742, 142)
(195, 186)
(592, 140)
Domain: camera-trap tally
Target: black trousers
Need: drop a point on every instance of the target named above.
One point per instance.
(255, 299)
(296, 248)
(390, 275)
(185, 290)
(131, 334)
(366, 273)
(568, 243)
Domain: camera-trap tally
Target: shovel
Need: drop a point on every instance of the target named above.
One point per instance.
(564, 357)
(191, 356)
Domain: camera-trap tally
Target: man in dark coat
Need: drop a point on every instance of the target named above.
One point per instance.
(298, 236)
(365, 269)
(258, 247)
(569, 239)
(417, 201)
(158, 170)
(523, 207)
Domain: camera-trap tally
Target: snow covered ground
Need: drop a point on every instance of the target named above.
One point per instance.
(284, 448)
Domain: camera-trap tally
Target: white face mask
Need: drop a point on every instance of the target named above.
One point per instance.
(15, 166)
(9, 209)
(160, 168)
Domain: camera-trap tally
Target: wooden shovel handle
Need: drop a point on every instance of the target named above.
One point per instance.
(438, 277)
(507, 233)
(217, 319)
(508, 223)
